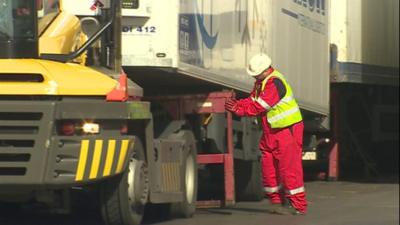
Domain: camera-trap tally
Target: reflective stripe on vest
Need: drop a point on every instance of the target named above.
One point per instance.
(263, 103)
(286, 112)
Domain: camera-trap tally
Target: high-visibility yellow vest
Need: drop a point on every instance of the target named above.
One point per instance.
(286, 112)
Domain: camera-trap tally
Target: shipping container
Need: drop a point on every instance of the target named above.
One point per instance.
(212, 41)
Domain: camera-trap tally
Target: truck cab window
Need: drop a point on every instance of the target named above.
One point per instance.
(16, 20)
(6, 27)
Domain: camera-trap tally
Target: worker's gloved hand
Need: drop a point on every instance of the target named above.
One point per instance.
(231, 105)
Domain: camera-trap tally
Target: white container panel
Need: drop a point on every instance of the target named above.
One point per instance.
(217, 41)
(366, 36)
(299, 49)
(151, 41)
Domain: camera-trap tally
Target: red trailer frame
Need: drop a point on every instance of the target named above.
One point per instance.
(214, 102)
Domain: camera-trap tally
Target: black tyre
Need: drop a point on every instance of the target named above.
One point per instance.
(248, 180)
(187, 208)
(123, 197)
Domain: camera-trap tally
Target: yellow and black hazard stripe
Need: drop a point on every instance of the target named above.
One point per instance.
(102, 158)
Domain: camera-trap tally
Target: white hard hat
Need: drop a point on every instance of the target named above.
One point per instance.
(258, 64)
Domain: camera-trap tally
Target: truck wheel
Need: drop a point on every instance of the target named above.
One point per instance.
(248, 182)
(123, 197)
(187, 208)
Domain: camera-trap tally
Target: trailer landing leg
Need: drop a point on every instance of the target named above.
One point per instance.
(333, 167)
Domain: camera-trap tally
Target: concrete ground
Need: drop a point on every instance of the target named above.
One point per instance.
(330, 203)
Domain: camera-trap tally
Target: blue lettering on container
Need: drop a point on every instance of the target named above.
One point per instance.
(317, 6)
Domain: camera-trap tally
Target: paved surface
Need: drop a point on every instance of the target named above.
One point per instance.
(330, 203)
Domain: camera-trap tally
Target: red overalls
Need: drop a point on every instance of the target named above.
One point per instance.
(281, 149)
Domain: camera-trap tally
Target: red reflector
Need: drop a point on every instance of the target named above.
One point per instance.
(124, 129)
(68, 128)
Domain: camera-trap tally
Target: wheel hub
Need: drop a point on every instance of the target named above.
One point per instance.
(138, 183)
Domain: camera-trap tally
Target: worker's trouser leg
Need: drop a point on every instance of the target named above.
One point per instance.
(272, 187)
(290, 169)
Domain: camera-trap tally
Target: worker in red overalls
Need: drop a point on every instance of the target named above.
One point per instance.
(273, 102)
